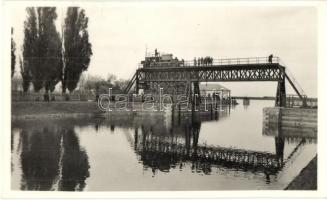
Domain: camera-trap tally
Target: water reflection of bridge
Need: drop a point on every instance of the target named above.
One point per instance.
(162, 148)
(162, 152)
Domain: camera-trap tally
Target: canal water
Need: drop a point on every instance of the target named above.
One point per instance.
(230, 150)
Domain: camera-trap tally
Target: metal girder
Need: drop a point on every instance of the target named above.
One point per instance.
(248, 72)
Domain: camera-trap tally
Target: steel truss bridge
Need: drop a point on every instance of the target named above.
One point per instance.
(221, 70)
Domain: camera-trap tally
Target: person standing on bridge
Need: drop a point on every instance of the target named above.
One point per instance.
(155, 53)
(270, 58)
(194, 61)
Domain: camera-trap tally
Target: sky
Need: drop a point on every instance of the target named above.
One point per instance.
(121, 34)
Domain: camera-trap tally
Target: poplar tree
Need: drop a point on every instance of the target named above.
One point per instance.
(42, 62)
(29, 48)
(26, 75)
(13, 56)
(77, 48)
(49, 47)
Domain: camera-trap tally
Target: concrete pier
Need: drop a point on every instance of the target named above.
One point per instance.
(290, 122)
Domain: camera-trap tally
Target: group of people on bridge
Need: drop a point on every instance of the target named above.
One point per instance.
(203, 61)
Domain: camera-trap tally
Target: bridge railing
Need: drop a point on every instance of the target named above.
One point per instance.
(293, 100)
(294, 81)
(295, 84)
(232, 61)
(225, 61)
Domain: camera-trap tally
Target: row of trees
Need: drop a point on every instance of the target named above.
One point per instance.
(87, 84)
(48, 57)
(101, 85)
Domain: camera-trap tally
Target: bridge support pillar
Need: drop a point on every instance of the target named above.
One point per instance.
(137, 87)
(281, 93)
(196, 88)
(279, 146)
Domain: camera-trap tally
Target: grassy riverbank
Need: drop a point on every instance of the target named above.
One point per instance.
(39, 108)
(307, 179)
(61, 109)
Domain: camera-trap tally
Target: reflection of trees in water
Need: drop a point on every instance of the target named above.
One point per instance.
(11, 141)
(50, 155)
(75, 165)
(40, 158)
(11, 150)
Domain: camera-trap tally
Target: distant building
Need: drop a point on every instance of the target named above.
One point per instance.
(209, 89)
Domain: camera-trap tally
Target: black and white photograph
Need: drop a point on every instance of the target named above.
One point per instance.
(143, 96)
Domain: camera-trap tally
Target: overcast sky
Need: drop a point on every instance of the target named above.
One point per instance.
(119, 35)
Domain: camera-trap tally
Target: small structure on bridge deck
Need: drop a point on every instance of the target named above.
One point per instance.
(158, 59)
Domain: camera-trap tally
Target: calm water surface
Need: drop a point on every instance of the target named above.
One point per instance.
(227, 151)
